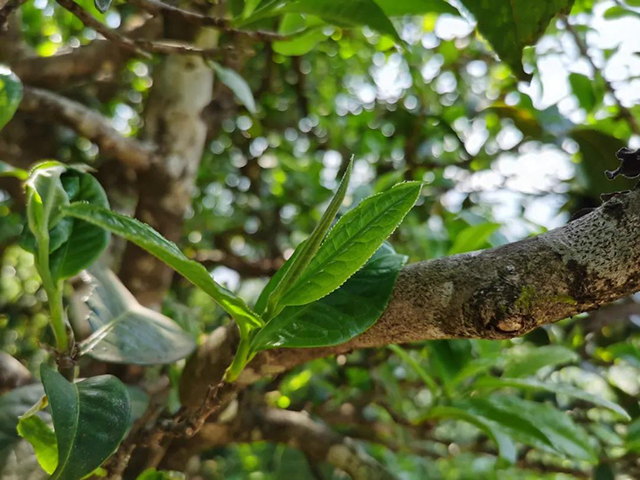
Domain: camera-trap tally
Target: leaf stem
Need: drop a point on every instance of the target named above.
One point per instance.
(239, 361)
(54, 294)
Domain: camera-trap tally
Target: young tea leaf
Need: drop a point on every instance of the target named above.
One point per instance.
(148, 239)
(351, 242)
(340, 316)
(90, 419)
(73, 244)
(10, 95)
(127, 332)
(305, 252)
(7, 170)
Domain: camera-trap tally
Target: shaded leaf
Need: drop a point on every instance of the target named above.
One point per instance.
(236, 84)
(506, 448)
(583, 88)
(127, 332)
(147, 238)
(340, 316)
(153, 474)
(352, 241)
(511, 25)
(90, 419)
(396, 8)
(557, 388)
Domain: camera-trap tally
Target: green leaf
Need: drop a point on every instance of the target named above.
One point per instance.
(533, 360)
(153, 474)
(396, 8)
(7, 170)
(352, 241)
(416, 367)
(236, 84)
(148, 239)
(616, 12)
(90, 419)
(102, 5)
(73, 244)
(127, 332)
(557, 388)
(10, 95)
(511, 25)
(536, 424)
(17, 458)
(506, 448)
(302, 258)
(42, 439)
(582, 87)
(300, 44)
(341, 316)
(351, 13)
(473, 238)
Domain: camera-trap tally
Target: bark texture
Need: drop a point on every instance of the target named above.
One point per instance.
(499, 293)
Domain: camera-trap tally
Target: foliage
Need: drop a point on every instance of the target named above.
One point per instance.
(430, 139)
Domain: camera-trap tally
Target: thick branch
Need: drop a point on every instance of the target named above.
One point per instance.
(87, 123)
(493, 294)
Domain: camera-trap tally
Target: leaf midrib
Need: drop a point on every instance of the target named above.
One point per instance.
(75, 431)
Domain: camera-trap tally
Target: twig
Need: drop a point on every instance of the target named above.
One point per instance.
(184, 424)
(88, 20)
(582, 47)
(156, 7)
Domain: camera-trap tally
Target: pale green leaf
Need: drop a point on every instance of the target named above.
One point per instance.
(127, 332)
(236, 84)
(10, 95)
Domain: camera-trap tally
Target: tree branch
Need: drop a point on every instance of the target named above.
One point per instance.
(89, 124)
(499, 293)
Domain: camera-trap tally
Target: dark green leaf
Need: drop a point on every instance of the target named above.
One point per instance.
(396, 8)
(511, 25)
(306, 251)
(90, 419)
(558, 388)
(127, 332)
(351, 13)
(147, 238)
(102, 5)
(10, 95)
(582, 87)
(530, 362)
(344, 314)
(352, 241)
(236, 84)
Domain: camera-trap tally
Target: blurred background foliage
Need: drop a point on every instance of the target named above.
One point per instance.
(501, 159)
